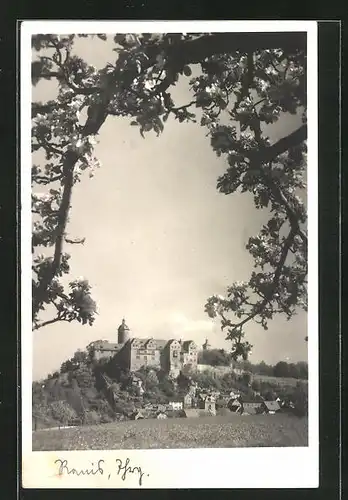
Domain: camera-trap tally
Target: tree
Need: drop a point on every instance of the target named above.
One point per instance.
(281, 369)
(256, 386)
(246, 79)
(214, 357)
(269, 395)
(246, 379)
(79, 359)
(300, 399)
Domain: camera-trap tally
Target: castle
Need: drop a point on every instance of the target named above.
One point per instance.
(133, 353)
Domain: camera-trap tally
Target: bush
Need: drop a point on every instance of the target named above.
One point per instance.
(62, 412)
(214, 357)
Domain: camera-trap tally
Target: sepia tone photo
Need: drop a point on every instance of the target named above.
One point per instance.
(169, 241)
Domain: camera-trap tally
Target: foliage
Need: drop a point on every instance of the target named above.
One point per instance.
(300, 399)
(80, 357)
(214, 357)
(249, 80)
(246, 379)
(295, 370)
(62, 411)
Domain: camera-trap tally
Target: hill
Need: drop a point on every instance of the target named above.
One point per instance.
(87, 392)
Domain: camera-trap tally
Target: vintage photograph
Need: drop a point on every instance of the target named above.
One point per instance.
(169, 240)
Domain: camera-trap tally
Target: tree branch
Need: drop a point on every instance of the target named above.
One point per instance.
(269, 153)
(275, 282)
(196, 51)
(48, 322)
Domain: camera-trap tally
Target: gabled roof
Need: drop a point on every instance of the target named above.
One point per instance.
(161, 343)
(105, 345)
(138, 414)
(138, 341)
(172, 341)
(151, 341)
(234, 402)
(272, 405)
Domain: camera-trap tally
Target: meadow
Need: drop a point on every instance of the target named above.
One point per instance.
(279, 381)
(231, 431)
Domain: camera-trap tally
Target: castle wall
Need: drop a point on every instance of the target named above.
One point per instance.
(97, 355)
(189, 358)
(140, 357)
(217, 370)
(171, 356)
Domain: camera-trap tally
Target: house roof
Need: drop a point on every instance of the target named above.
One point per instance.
(234, 402)
(161, 343)
(272, 405)
(138, 341)
(106, 346)
(138, 414)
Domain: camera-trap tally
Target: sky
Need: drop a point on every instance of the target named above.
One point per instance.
(160, 239)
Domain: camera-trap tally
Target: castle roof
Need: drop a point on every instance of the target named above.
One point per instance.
(161, 343)
(107, 346)
(123, 325)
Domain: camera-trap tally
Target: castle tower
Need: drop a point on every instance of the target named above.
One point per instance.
(206, 345)
(123, 332)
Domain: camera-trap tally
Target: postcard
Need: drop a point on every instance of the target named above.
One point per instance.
(169, 254)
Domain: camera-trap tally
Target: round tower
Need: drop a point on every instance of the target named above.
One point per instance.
(123, 332)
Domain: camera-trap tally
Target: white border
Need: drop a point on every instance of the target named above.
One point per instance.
(194, 468)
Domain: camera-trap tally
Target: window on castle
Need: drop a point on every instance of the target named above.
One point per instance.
(138, 357)
(145, 357)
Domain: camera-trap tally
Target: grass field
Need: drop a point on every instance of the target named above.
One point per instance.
(230, 431)
(280, 381)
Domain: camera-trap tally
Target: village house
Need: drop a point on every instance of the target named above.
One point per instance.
(234, 405)
(251, 408)
(187, 400)
(161, 415)
(207, 403)
(176, 405)
(137, 415)
(270, 407)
